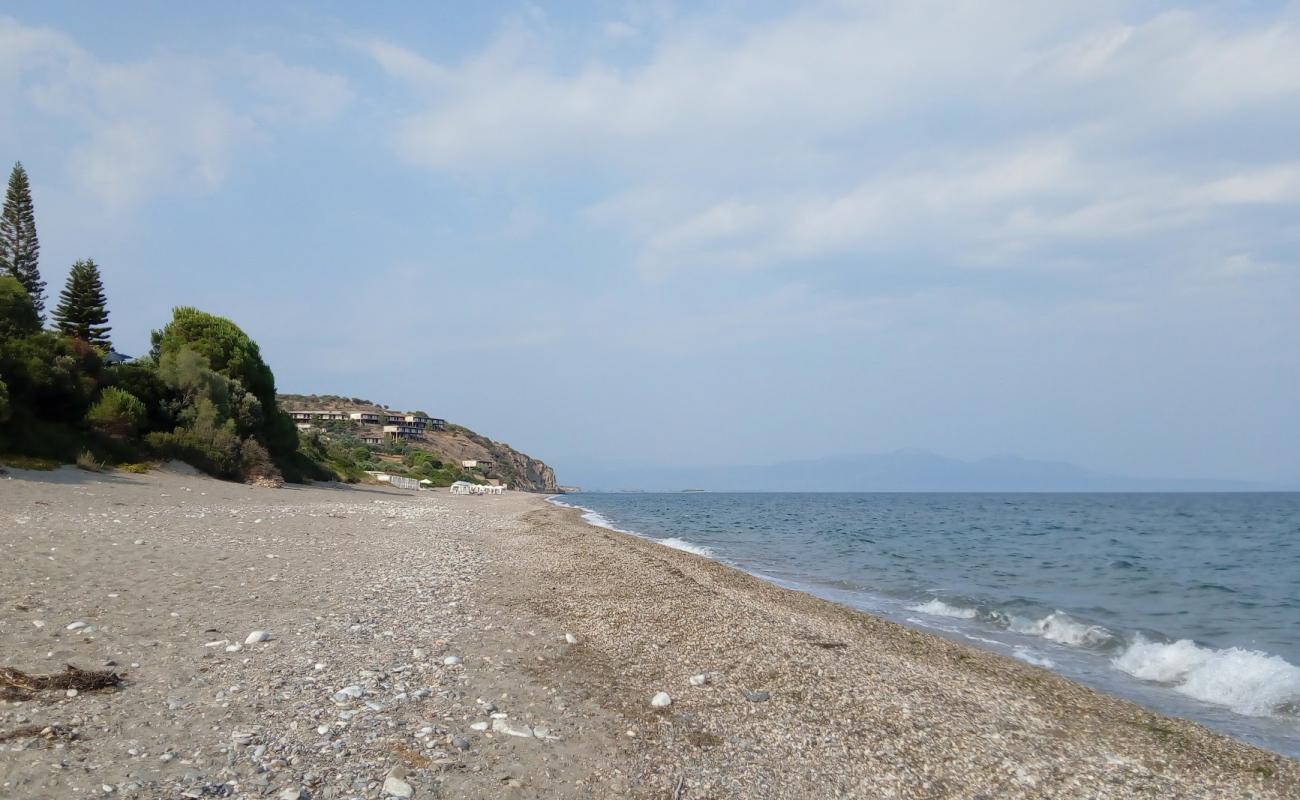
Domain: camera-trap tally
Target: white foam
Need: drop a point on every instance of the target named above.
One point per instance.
(1247, 681)
(1030, 657)
(1062, 628)
(938, 608)
(689, 547)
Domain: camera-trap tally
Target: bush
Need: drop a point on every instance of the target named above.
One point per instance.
(18, 316)
(255, 463)
(87, 461)
(117, 413)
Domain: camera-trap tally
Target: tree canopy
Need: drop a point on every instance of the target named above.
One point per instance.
(19, 247)
(82, 312)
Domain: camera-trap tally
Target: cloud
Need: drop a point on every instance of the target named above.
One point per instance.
(160, 124)
(963, 132)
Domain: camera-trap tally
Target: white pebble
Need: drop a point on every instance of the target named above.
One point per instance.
(451, 661)
(661, 700)
(699, 680)
(76, 626)
(257, 636)
(570, 638)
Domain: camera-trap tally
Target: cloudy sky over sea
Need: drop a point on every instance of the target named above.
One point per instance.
(705, 233)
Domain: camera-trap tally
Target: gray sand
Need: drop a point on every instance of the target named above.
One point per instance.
(366, 592)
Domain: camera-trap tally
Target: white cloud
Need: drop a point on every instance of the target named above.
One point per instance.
(970, 132)
(156, 125)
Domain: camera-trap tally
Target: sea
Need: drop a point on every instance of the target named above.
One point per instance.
(1188, 604)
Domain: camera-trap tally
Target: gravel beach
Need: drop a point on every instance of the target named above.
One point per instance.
(361, 642)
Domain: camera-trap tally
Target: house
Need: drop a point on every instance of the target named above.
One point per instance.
(370, 439)
(365, 417)
(426, 422)
(312, 416)
(469, 463)
(403, 431)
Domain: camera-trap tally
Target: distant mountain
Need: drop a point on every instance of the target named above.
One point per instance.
(898, 471)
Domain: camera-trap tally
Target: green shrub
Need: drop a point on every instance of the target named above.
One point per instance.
(87, 461)
(255, 463)
(117, 413)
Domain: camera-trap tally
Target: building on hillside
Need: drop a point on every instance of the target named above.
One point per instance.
(403, 431)
(426, 422)
(314, 416)
(366, 417)
(304, 426)
(371, 439)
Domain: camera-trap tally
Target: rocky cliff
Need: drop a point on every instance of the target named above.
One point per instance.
(454, 443)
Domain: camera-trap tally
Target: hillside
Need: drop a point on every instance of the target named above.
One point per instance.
(448, 443)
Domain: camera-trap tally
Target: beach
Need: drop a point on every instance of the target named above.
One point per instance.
(339, 642)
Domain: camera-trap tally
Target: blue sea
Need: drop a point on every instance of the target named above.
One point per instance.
(1186, 603)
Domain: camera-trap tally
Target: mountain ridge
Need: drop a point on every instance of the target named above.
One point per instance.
(904, 470)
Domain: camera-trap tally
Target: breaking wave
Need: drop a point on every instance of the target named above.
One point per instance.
(685, 546)
(1249, 682)
(938, 608)
(1062, 628)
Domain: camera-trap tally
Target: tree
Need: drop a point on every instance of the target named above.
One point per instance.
(117, 413)
(19, 247)
(231, 353)
(83, 310)
(18, 317)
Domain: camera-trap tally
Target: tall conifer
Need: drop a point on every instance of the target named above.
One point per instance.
(19, 247)
(83, 310)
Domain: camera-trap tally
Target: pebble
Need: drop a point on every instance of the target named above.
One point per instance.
(292, 794)
(461, 743)
(570, 638)
(234, 648)
(348, 693)
(396, 787)
(451, 661)
(756, 697)
(661, 700)
(504, 726)
(699, 680)
(257, 636)
(479, 726)
(76, 626)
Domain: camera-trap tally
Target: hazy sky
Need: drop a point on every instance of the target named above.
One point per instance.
(705, 233)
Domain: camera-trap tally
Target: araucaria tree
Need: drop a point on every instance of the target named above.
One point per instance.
(83, 310)
(19, 248)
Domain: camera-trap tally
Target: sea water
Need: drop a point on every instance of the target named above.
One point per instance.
(1186, 603)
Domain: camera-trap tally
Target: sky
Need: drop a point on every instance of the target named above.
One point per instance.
(705, 233)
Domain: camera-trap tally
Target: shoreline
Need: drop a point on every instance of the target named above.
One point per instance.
(1030, 639)
(804, 697)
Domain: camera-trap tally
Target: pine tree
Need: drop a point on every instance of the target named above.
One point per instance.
(19, 248)
(83, 309)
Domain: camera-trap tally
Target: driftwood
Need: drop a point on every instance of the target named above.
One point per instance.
(18, 685)
(49, 733)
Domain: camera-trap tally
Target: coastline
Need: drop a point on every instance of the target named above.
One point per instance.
(380, 586)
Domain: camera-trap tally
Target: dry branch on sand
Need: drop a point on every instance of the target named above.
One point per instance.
(18, 685)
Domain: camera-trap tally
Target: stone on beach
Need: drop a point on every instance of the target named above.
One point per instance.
(257, 636)
(700, 679)
(451, 661)
(570, 638)
(661, 700)
(396, 787)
